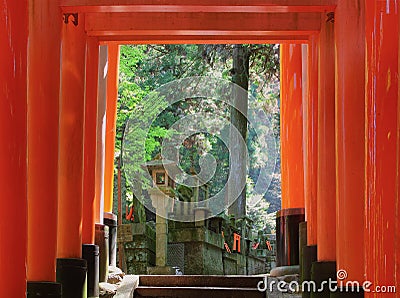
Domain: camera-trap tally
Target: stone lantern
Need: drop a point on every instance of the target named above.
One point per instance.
(162, 197)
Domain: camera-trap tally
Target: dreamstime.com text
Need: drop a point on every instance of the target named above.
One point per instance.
(338, 285)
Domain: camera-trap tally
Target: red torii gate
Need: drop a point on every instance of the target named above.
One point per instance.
(49, 123)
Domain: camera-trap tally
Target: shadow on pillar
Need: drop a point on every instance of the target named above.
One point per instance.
(43, 289)
(110, 220)
(90, 253)
(101, 239)
(308, 258)
(287, 235)
(71, 274)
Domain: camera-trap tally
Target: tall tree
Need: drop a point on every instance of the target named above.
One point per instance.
(238, 133)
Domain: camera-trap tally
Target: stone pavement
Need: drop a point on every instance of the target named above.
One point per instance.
(179, 286)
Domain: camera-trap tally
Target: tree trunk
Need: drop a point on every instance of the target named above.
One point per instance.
(238, 148)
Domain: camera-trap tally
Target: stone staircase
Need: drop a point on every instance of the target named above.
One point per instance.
(196, 286)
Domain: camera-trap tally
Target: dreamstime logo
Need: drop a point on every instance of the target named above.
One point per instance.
(204, 99)
(341, 274)
(339, 285)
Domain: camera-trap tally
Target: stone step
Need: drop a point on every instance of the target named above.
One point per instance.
(197, 292)
(218, 281)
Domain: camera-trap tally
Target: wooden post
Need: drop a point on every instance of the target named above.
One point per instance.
(292, 213)
(325, 267)
(292, 127)
(89, 178)
(13, 153)
(101, 133)
(326, 193)
(71, 138)
(382, 137)
(43, 116)
(311, 141)
(111, 114)
(308, 242)
(350, 140)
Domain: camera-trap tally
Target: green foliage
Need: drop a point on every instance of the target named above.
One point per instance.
(154, 137)
(144, 68)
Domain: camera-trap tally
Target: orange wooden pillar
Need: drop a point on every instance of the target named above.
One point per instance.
(13, 149)
(72, 116)
(350, 140)
(325, 268)
(292, 167)
(90, 251)
(397, 210)
(71, 140)
(382, 137)
(311, 141)
(291, 127)
(90, 142)
(101, 132)
(111, 113)
(100, 229)
(308, 252)
(43, 112)
(326, 193)
(110, 219)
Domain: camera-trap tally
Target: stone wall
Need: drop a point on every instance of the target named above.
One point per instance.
(230, 263)
(140, 252)
(202, 250)
(241, 265)
(203, 259)
(255, 265)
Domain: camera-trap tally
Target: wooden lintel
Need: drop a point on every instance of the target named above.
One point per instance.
(101, 24)
(252, 6)
(203, 39)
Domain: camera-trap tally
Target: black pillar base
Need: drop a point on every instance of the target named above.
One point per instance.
(110, 220)
(322, 272)
(348, 294)
(43, 289)
(309, 257)
(287, 236)
(101, 239)
(71, 274)
(90, 253)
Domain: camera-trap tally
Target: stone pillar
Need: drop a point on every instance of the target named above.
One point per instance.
(161, 241)
(70, 266)
(163, 204)
(382, 137)
(13, 155)
(325, 268)
(292, 212)
(200, 215)
(350, 139)
(43, 116)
